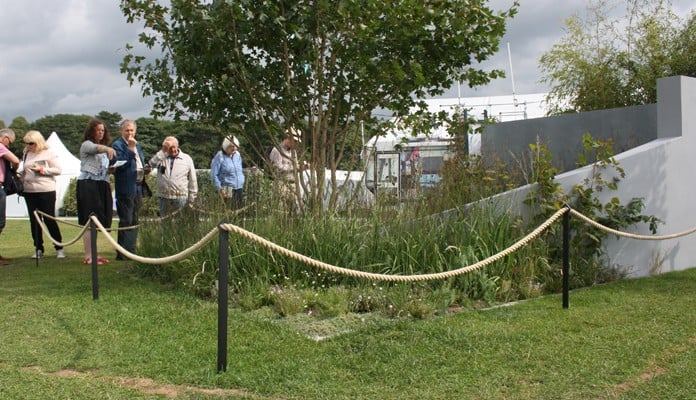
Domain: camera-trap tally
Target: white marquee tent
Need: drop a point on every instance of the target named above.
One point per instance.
(16, 207)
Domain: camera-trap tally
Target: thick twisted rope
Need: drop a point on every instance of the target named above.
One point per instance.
(158, 219)
(162, 260)
(45, 229)
(57, 219)
(630, 235)
(355, 273)
(395, 278)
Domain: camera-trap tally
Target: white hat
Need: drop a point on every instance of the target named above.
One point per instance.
(229, 141)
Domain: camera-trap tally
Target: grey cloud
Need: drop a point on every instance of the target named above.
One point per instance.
(63, 56)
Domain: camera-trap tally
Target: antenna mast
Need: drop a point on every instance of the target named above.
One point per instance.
(512, 75)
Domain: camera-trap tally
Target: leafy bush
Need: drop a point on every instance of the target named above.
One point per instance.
(589, 264)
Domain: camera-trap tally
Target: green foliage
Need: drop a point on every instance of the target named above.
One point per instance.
(20, 126)
(683, 60)
(258, 68)
(112, 122)
(549, 196)
(70, 200)
(598, 66)
(466, 179)
(392, 239)
(588, 263)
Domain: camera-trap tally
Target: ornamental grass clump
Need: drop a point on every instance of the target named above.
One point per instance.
(389, 240)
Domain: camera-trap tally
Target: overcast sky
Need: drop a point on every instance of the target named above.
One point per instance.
(62, 56)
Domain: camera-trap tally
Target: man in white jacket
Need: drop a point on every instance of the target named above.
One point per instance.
(177, 185)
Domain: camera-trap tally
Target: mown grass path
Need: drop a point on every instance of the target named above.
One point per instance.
(634, 339)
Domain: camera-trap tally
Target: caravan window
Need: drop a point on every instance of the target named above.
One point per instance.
(432, 165)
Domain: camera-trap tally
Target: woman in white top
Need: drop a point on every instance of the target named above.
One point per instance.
(39, 169)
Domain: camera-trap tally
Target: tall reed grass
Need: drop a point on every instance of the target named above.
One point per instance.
(401, 239)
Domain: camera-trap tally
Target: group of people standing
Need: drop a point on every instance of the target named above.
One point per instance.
(177, 184)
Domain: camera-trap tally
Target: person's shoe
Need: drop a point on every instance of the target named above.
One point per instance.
(4, 261)
(60, 253)
(100, 261)
(37, 254)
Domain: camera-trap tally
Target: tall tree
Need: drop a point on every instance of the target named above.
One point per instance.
(318, 65)
(112, 121)
(605, 62)
(19, 125)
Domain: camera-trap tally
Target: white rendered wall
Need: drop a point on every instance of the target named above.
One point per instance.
(662, 173)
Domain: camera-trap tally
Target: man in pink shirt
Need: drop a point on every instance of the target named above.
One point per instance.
(7, 137)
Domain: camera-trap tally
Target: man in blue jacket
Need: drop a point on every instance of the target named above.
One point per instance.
(129, 179)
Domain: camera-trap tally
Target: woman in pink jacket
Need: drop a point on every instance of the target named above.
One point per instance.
(40, 167)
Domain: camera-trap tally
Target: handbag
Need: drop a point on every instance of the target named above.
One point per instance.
(13, 183)
(146, 192)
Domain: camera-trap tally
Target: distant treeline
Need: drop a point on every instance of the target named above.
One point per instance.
(198, 140)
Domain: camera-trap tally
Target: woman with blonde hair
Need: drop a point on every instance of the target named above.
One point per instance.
(39, 169)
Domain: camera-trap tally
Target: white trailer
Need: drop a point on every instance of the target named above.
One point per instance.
(403, 165)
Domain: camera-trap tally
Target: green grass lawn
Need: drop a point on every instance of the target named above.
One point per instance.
(634, 339)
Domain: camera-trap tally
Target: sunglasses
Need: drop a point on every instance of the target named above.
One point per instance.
(29, 143)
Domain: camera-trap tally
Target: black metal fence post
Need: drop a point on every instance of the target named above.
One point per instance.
(93, 247)
(566, 256)
(223, 283)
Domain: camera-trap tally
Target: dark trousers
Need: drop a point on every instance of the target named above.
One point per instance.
(236, 200)
(3, 208)
(128, 209)
(46, 203)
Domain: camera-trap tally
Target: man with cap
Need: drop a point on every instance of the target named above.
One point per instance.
(226, 172)
(285, 166)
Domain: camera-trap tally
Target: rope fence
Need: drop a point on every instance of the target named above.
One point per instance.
(223, 230)
(630, 235)
(395, 278)
(329, 267)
